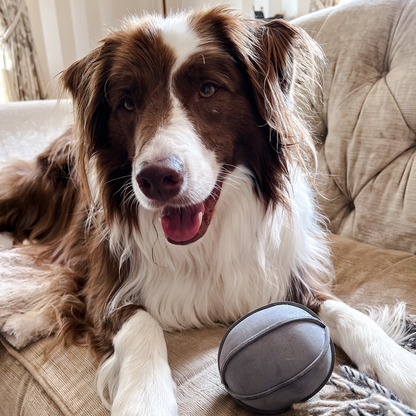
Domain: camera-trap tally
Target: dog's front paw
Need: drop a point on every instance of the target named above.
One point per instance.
(150, 400)
(25, 328)
(137, 375)
(398, 373)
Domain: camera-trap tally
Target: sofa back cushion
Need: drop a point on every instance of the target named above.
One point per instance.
(367, 123)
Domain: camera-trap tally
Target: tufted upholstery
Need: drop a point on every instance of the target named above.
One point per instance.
(368, 122)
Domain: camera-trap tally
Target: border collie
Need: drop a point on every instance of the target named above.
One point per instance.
(180, 199)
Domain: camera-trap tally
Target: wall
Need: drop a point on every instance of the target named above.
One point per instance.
(65, 30)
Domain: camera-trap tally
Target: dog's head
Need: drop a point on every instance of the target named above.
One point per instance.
(167, 108)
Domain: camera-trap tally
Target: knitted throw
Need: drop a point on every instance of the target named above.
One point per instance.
(356, 394)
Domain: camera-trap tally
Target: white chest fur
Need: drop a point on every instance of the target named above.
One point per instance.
(245, 260)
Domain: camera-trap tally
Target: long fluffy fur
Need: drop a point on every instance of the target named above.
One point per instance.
(108, 274)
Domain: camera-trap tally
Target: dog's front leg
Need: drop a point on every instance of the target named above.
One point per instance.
(371, 349)
(137, 374)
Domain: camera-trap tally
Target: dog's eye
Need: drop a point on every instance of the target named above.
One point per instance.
(129, 104)
(207, 90)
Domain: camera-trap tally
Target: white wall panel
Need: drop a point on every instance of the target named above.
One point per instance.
(80, 32)
(52, 40)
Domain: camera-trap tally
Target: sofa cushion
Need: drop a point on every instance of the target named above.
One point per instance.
(367, 124)
(64, 383)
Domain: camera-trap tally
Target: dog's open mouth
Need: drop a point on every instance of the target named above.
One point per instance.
(187, 224)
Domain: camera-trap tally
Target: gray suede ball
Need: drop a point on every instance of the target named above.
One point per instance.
(275, 356)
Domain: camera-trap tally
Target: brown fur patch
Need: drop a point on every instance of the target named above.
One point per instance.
(309, 292)
(37, 199)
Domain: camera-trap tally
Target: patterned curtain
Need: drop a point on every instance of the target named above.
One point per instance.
(20, 77)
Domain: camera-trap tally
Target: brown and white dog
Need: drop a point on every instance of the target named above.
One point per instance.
(180, 199)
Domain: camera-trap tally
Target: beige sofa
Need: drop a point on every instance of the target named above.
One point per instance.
(367, 131)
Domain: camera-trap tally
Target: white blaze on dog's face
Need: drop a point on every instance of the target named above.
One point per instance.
(174, 171)
(184, 108)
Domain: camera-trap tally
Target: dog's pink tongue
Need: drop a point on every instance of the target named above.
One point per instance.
(181, 224)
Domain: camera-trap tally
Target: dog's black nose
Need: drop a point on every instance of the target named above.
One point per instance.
(162, 180)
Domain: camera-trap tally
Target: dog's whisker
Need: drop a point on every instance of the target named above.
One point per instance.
(116, 179)
(233, 180)
(127, 198)
(125, 188)
(235, 167)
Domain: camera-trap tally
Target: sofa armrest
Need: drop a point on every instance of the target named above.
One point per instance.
(27, 127)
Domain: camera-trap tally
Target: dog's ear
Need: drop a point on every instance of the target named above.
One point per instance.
(272, 59)
(77, 77)
(85, 80)
(283, 66)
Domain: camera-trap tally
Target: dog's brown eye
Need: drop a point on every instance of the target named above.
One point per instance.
(207, 90)
(129, 104)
